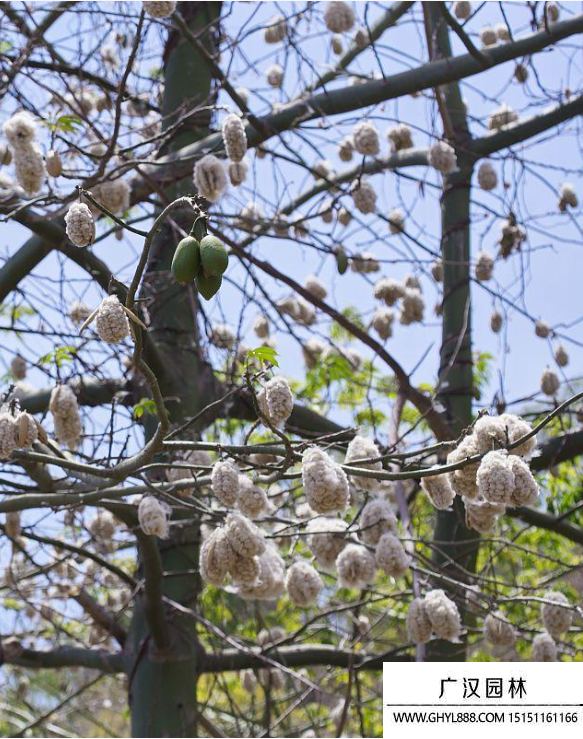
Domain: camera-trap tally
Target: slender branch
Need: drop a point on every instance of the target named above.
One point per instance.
(100, 615)
(302, 655)
(94, 659)
(547, 521)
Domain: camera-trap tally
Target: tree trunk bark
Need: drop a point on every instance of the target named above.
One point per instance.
(455, 546)
(162, 683)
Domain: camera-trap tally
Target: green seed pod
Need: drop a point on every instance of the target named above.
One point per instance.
(214, 257)
(341, 260)
(208, 286)
(186, 261)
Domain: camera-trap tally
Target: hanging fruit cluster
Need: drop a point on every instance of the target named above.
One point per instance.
(201, 258)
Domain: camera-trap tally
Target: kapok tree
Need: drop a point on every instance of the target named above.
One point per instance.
(237, 476)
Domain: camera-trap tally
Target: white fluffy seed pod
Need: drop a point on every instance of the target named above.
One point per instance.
(65, 410)
(462, 9)
(496, 321)
(249, 681)
(484, 267)
(261, 327)
(234, 137)
(364, 263)
(542, 329)
(30, 169)
(495, 477)
(243, 93)
(274, 75)
(326, 539)
(225, 482)
(80, 226)
(26, 430)
(514, 429)
(276, 400)
(12, 524)
(270, 581)
(79, 312)
(391, 557)
(20, 130)
(251, 499)
(481, 515)
(243, 536)
(502, 116)
(567, 197)
(412, 308)
(337, 45)
(396, 221)
(561, 356)
(355, 566)
(18, 367)
(339, 17)
(111, 321)
(361, 448)
(418, 624)
(325, 483)
(553, 12)
(488, 36)
(503, 32)
(209, 177)
(364, 196)
(382, 322)
(544, 648)
(377, 518)
(400, 137)
(442, 157)
(159, 8)
(549, 383)
(113, 195)
(276, 30)
(557, 619)
(7, 435)
(316, 287)
(520, 73)
(487, 177)
(152, 517)
(222, 336)
(346, 149)
(498, 630)
(463, 480)
(53, 164)
(525, 491)
(389, 290)
(251, 216)
(344, 216)
(443, 614)
(303, 584)
(312, 350)
(238, 172)
(439, 491)
(214, 557)
(102, 526)
(437, 270)
(366, 140)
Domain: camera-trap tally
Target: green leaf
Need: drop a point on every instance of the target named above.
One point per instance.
(146, 405)
(66, 123)
(264, 354)
(61, 355)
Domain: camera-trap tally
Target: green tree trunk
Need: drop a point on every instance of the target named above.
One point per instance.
(455, 546)
(162, 683)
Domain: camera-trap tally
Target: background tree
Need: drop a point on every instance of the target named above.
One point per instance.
(314, 390)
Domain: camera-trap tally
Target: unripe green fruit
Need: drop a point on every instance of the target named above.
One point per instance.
(213, 256)
(208, 286)
(186, 261)
(341, 260)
